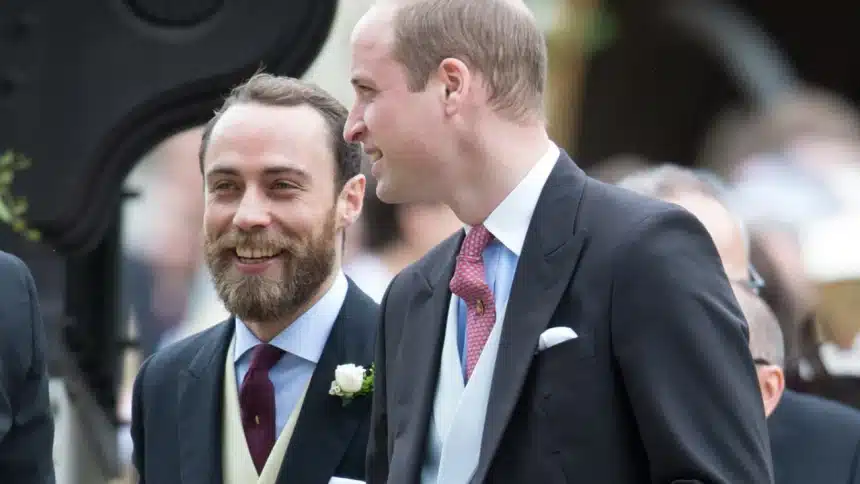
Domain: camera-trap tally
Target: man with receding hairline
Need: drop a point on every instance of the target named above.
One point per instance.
(684, 187)
(812, 439)
(549, 340)
(766, 346)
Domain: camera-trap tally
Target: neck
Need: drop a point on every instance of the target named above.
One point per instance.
(493, 166)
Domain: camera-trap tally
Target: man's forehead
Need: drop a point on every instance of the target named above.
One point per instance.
(374, 26)
(371, 50)
(252, 119)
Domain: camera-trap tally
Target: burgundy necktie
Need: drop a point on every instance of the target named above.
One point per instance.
(470, 285)
(257, 400)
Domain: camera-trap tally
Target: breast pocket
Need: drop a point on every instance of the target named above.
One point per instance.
(565, 376)
(579, 347)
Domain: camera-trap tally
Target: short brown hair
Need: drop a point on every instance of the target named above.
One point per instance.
(270, 90)
(497, 38)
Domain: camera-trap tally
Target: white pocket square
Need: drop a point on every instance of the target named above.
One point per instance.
(554, 336)
(344, 480)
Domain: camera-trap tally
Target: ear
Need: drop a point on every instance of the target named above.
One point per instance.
(350, 201)
(771, 382)
(456, 81)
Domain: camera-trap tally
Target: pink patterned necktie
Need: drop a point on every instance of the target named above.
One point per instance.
(470, 285)
(257, 402)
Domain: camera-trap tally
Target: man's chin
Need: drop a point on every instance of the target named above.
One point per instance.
(257, 311)
(387, 193)
(240, 278)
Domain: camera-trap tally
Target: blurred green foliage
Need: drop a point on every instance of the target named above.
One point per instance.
(13, 209)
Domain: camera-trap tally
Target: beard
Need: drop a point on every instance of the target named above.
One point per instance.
(305, 264)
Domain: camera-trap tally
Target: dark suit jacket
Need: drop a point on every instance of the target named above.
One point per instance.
(177, 419)
(658, 387)
(814, 441)
(26, 422)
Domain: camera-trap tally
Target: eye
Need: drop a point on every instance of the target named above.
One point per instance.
(223, 186)
(284, 185)
(365, 91)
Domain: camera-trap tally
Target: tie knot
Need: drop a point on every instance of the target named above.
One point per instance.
(264, 357)
(476, 241)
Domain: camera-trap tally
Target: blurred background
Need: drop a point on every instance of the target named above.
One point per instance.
(761, 96)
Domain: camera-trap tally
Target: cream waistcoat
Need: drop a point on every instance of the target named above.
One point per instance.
(457, 422)
(238, 467)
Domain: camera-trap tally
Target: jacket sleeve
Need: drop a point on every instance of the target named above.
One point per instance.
(137, 424)
(26, 420)
(377, 447)
(682, 346)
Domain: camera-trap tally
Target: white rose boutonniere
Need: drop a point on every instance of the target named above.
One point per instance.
(351, 381)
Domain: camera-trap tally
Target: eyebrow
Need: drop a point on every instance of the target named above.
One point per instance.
(268, 171)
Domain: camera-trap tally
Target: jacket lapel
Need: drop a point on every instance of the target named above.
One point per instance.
(325, 427)
(550, 254)
(200, 389)
(420, 355)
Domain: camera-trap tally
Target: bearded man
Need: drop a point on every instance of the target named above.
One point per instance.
(255, 399)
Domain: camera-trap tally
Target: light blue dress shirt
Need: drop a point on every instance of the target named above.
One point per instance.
(508, 223)
(303, 343)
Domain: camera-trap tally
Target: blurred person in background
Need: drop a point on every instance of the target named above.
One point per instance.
(26, 420)
(793, 161)
(691, 191)
(261, 397)
(799, 425)
(776, 253)
(831, 257)
(162, 237)
(394, 236)
(797, 185)
(812, 439)
(161, 253)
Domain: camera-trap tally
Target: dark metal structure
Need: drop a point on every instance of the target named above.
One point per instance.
(86, 88)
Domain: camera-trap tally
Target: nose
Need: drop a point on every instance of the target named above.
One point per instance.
(253, 212)
(354, 130)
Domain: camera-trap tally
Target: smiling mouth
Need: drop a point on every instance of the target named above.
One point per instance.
(255, 256)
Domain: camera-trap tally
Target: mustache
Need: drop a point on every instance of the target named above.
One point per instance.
(255, 240)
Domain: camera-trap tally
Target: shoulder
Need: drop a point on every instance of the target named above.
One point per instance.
(829, 416)
(810, 428)
(617, 219)
(361, 309)
(9, 262)
(167, 362)
(609, 208)
(13, 269)
(17, 299)
(421, 271)
(359, 301)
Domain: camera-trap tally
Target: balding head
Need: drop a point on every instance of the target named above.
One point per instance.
(765, 334)
(498, 39)
(766, 346)
(698, 196)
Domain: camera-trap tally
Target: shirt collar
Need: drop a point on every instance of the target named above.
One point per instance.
(510, 221)
(308, 334)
